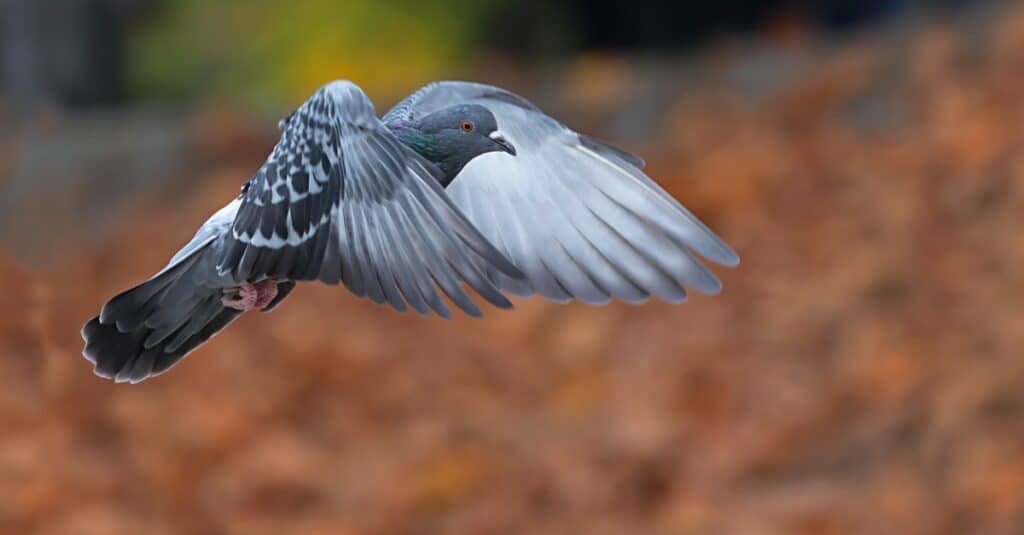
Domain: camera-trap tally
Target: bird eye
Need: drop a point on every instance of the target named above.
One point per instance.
(467, 126)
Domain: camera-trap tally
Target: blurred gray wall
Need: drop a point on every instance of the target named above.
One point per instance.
(64, 52)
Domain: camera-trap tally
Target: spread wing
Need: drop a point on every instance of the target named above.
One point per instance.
(340, 199)
(577, 216)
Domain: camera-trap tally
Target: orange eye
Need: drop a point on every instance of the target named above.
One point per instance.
(467, 126)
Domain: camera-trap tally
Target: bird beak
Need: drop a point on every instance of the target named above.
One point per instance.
(503, 143)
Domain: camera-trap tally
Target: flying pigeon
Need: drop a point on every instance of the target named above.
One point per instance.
(460, 184)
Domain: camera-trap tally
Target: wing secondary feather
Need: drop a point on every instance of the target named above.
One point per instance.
(340, 199)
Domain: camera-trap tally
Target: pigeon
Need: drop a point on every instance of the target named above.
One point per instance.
(460, 185)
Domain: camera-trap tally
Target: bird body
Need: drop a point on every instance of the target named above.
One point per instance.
(459, 184)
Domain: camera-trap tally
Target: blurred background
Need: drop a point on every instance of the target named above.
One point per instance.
(861, 372)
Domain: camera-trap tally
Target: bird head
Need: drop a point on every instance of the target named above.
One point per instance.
(453, 136)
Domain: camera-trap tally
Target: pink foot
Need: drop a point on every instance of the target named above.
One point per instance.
(267, 291)
(242, 298)
(250, 296)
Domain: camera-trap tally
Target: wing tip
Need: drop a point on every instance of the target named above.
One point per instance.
(674, 298)
(472, 311)
(728, 258)
(714, 288)
(714, 249)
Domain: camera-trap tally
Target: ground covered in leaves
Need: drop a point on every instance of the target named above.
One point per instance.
(861, 373)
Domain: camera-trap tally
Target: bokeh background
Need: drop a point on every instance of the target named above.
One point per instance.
(861, 373)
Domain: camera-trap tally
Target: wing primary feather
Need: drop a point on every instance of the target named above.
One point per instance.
(488, 210)
(658, 249)
(439, 268)
(613, 252)
(352, 266)
(676, 220)
(520, 246)
(381, 259)
(372, 262)
(419, 251)
(402, 258)
(567, 273)
(459, 260)
(671, 257)
(364, 256)
(651, 279)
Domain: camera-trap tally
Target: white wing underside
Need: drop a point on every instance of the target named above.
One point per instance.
(579, 219)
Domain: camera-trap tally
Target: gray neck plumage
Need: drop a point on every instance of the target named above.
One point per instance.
(435, 149)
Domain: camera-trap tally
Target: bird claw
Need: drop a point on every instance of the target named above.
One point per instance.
(241, 298)
(250, 296)
(266, 292)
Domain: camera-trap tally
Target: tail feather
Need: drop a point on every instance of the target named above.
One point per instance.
(145, 330)
(122, 356)
(202, 315)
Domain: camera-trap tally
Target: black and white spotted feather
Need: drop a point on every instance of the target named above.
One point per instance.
(341, 199)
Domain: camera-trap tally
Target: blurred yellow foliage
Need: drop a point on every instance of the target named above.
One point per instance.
(265, 51)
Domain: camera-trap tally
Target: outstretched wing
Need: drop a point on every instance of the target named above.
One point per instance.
(340, 199)
(576, 215)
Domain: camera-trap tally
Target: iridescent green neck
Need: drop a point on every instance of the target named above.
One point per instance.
(435, 149)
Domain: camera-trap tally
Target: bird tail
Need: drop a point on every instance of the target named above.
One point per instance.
(145, 330)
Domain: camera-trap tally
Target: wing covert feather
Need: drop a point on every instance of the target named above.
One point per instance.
(340, 199)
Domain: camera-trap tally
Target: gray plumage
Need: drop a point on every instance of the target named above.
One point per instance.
(460, 183)
(576, 215)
